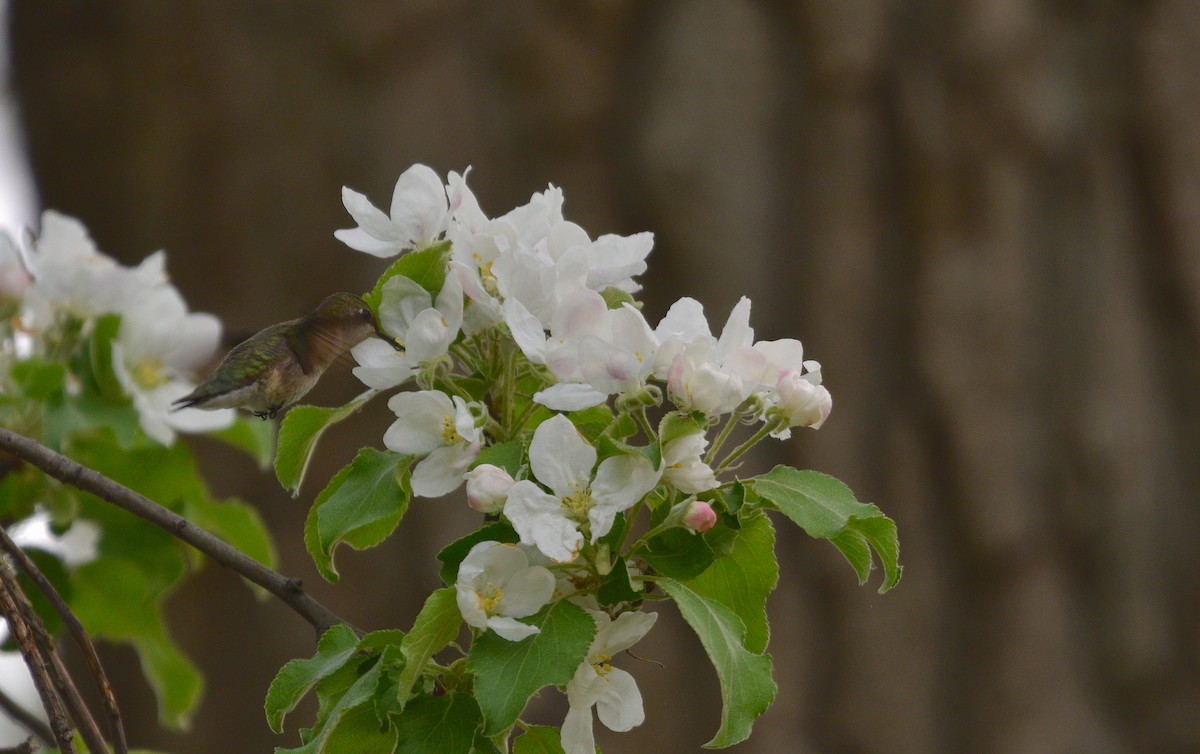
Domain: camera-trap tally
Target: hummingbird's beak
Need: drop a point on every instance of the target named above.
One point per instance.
(387, 338)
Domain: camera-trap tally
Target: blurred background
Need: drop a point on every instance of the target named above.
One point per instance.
(981, 216)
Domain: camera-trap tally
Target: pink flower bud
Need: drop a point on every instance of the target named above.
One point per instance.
(699, 516)
(487, 488)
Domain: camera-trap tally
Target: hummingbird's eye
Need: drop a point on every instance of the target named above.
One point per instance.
(366, 314)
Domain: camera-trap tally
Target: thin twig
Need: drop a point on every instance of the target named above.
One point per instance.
(78, 633)
(25, 747)
(289, 590)
(25, 718)
(11, 599)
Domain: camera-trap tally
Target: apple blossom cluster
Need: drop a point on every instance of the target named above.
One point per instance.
(56, 286)
(545, 317)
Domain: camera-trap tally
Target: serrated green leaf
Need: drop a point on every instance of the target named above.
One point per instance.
(298, 435)
(506, 455)
(442, 724)
(360, 506)
(747, 688)
(743, 579)
(539, 739)
(676, 424)
(678, 553)
(452, 554)
(436, 625)
(297, 677)
(507, 672)
(252, 435)
(361, 692)
(360, 732)
(426, 267)
(825, 508)
(591, 422)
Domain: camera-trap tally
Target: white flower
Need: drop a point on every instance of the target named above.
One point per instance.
(496, 585)
(430, 424)
(612, 691)
(69, 273)
(426, 330)
(794, 389)
(160, 344)
(562, 460)
(487, 488)
(706, 374)
(418, 215)
(684, 468)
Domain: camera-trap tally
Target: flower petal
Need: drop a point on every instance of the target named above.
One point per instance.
(511, 628)
(561, 459)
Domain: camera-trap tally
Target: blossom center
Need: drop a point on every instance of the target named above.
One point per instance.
(578, 504)
(450, 434)
(603, 665)
(489, 597)
(149, 374)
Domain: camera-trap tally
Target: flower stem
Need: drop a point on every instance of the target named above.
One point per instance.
(740, 450)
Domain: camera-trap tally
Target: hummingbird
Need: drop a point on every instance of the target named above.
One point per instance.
(275, 367)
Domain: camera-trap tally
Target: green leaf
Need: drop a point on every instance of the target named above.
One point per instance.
(539, 739)
(826, 508)
(39, 379)
(442, 724)
(452, 554)
(747, 688)
(77, 414)
(237, 523)
(678, 553)
(591, 422)
(297, 677)
(359, 731)
(118, 600)
(426, 267)
(436, 625)
(97, 369)
(360, 693)
(255, 436)
(507, 672)
(676, 424)
(744, 579)
(617, 587)
(298, 435)
(361, 506)
(507, 455)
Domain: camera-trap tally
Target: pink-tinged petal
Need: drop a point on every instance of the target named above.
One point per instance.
(686, 319)
(780, 355)
(580, 313)
(561, 459)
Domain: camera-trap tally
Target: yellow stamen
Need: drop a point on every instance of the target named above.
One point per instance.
(149, 373)
(489, 597)
(450, 434)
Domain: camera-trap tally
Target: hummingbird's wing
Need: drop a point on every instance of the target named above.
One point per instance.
(317, 345)
(244, 365)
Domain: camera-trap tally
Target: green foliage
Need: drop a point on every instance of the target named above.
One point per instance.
(507, 673)
(436, 626)
(299, 432)
(747, 688)
(426, 267)
(538, 739)
(452, 554)
(826, 508)
(297, 677)
(360, 506)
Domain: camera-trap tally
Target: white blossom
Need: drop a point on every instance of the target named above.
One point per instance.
(417, 216)
(563, 460)
(496, 585)
(441, 429)
(612, 691)
(683, 465)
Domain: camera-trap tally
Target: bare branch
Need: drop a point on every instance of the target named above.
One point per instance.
(25, 719)
(12, 604)
(78, 632)
(289, 590)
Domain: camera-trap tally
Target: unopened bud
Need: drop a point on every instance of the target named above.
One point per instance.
(699, 516)
(487, 487)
